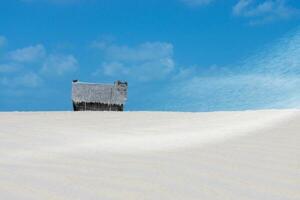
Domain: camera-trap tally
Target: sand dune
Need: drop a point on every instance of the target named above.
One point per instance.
(150, 155)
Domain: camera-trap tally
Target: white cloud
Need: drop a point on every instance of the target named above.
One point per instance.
(142, 52)
(197, 2)
(236, 91)
(281, 58)
(113, 68)
(268, 79)
(3, 41)
(52, 1)
(36, 56)
(30, 66)
(241, 6)
(27, 80)
(144, 62)
(264, 12)
(59, 65)
(9, 67)
(24, 70)
(28, 54)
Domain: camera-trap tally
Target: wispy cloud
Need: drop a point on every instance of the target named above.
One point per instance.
(62, 2)
(197, 2)
(268, 79)
(27, 80)
(9, 67)
(264, 12)
(59, 65)
(144, 62)
(3, 41)
(46, 63)
(31, 66)
(28, 54)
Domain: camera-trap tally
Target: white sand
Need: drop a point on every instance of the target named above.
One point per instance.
(150, 155)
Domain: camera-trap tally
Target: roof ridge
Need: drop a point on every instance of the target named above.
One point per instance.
(89, 83)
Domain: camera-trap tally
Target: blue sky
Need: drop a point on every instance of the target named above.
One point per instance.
(178, 55)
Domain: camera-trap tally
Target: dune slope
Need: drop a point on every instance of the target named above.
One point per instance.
(150, 155)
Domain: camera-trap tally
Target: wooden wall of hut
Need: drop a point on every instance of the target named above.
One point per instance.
(83, 106)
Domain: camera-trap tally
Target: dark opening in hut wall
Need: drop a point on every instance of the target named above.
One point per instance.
(84, 106)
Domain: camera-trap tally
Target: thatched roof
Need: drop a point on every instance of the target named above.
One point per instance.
(98, 93)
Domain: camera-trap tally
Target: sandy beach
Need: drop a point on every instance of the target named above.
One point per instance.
(150, 155)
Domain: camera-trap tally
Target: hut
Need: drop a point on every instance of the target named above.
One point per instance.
(99, 97)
